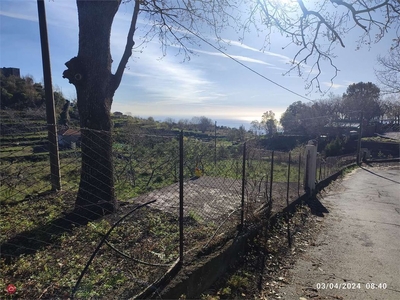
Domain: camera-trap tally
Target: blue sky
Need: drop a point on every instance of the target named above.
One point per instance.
(208, 84)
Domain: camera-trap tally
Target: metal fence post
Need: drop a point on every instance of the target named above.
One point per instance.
(272, 176)
(298, 176)
(243, 186)
(287, 203)
(288, 180)
(215, 144)
(320, 168)
(181, 197)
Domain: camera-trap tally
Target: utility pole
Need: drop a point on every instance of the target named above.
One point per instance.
(359, 139)
(50, 110)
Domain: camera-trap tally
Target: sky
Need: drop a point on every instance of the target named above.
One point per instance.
(209, 84)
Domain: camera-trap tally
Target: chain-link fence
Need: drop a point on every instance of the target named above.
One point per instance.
(179, 197)
(330, 165)
(46, 242)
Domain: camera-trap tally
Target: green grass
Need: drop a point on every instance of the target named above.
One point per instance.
(379, 139)
(21, 179)
(26, 135)
(52, 271)
(16, 151)
(150, 235)
(156, 168)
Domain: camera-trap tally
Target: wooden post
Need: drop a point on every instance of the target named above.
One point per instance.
(50, 109)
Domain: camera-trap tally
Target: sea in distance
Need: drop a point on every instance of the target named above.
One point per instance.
(232, 123)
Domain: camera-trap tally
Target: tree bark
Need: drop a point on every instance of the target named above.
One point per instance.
(90, 72)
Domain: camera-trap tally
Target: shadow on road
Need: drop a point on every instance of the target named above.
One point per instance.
(373, 173)
(316, 207)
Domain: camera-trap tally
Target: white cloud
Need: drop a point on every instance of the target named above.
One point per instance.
(169, 82)
(241, 45)
(284, 58)
(19, 16)
(333, 85)
(237, 57)
(60, 13)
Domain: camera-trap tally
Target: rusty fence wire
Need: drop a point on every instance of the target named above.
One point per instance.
(332, 164)
(193, 196)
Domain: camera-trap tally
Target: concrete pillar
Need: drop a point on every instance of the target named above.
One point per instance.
(311, 166)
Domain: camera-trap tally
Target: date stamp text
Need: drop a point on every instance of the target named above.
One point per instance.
(351, 286)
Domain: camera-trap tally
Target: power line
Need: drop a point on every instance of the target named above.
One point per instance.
(237, 61)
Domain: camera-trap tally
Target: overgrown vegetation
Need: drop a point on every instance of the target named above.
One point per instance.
(379, 139)
(51, 270)
(23, 93)
(339, 115)
(264, 267)
(48, 236)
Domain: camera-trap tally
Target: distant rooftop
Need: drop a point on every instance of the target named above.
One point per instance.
(69, 132)
(343, 124)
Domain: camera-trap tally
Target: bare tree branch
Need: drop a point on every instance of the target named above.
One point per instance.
(389, 74)
(318, 27)
(128, 47)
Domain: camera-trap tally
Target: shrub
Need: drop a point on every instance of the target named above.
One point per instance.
(335, 147)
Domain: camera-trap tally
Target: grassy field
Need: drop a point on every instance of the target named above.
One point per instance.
(53, 258)
(379, 139)
(44, 249)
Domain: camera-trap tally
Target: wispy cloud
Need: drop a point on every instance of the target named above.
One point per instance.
(349, 82)
(237, 57)
(19, 16)
(283, 58)
(241, 45)
(169, 82)
(333, 85)
(62, 14)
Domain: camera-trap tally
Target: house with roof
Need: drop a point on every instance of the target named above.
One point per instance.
(352, 128)
(69, 138)
(342, 128)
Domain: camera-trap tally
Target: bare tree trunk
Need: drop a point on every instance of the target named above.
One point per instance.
(90, 72)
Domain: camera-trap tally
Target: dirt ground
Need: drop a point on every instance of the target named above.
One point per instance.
(344, 246)
(212, 199)
(392, 135)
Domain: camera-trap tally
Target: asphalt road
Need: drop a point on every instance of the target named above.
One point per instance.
(357, 252)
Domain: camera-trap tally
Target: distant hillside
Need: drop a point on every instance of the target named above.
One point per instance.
(22, 93)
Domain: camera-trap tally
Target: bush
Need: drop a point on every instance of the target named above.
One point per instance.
(335, 147)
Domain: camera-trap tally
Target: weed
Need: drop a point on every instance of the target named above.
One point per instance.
(381, 155)
(195, 216)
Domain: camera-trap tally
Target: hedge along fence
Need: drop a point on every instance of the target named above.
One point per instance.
(203, 196)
